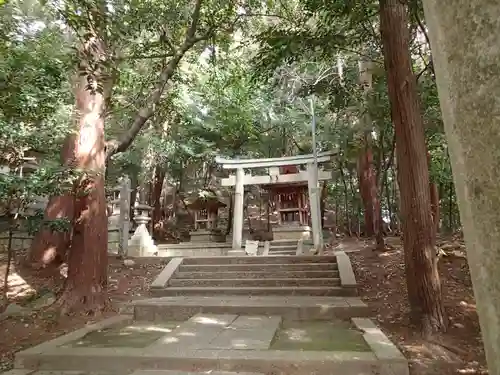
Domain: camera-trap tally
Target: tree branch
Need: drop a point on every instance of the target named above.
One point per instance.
(297, 145)
(146, 112)
(194, 22)
(142, 57)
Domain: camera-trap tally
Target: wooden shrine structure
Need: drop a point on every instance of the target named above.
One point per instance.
(205, 211)
(286, 177)
(290, 199)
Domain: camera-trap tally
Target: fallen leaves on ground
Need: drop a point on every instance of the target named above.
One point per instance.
(125, 283)
(383, 287)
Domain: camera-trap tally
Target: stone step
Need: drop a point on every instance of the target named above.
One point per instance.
(283, 252)
(288, 307)
(137, 372)
(206, 343)
(283, 247)
(180, 372)
(284, 243)
(274, 282)
(254, 267)
(254, 291)
(261, 259)
(124, 361)
(279, 274)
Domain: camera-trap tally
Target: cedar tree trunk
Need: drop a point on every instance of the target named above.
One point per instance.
(86, 284)
(159, 176)
(49, 247)
(424, 288)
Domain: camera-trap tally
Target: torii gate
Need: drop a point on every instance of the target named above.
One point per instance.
(311, 175)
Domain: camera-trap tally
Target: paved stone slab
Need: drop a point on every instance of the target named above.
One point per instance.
(256, 322)
(31, 372)
(196, 333)
(172, 372)
(249, 333)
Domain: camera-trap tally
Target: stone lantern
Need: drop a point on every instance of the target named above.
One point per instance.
(141, 243)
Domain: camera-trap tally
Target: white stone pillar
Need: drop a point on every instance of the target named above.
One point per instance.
(238, 209)
(312, 184)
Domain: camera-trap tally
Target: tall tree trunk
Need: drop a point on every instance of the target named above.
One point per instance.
(435, 206)
(366, 173)
(368, 189)
(86, 285)
(50, 247)
(336, 212)
(158, 178)
(450, 206)
(134, 185)
(464, 37)
(424, 287)
(389, 202)
(346, 201)
(324, 194)
(356, 206)
(434, 194)
(382, 170)
(230, 214)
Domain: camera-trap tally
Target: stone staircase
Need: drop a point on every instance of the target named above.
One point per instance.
(281, 275)
(283, 247)
(247, 315)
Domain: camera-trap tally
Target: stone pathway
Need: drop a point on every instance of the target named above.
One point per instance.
(228, 334)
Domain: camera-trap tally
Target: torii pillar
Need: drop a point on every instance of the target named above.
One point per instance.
(239, 191)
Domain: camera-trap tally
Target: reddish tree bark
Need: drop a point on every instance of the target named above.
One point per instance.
(49, 247)
(368, 189)
(158, 178)
(435, 206)
(86, 284)
(424, 287)
(434, 193)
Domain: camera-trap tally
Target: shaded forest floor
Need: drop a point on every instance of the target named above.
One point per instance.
(31, 327)
(382, 280)
(380, 275)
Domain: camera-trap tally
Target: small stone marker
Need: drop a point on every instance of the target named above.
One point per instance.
(300, 247)
(267, 246)
(251, 247)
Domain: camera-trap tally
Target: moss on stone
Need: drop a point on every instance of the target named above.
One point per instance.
(137, 335)
(319, 336)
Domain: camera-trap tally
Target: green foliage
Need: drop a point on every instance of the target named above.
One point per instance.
(245, 89)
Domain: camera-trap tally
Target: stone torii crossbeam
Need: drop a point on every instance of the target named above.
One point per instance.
(312, 175)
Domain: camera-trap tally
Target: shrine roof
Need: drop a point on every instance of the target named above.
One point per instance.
(285, 186)
(205, 199)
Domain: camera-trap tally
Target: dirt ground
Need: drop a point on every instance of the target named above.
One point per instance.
(381, 276)
(17, 333)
